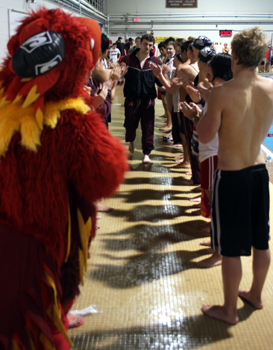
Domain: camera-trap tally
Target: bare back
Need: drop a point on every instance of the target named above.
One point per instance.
(187, 72)
(247, 114)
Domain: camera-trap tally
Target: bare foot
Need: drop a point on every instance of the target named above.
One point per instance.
(179, 159)
(206, 242)
(103, 208)
(131, 147)
(166, 128)
(247, 297)
(74, 320)
(146, 159)
(185, 165)
(217, 312)
(195, 199)
(214, 260)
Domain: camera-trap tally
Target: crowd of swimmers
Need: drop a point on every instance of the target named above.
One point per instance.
(218, 111)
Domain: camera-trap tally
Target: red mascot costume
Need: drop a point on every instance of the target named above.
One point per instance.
(57, 159)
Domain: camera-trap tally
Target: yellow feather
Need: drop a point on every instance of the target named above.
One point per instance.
(23, 80)
(84, 229)
(48, 345)
(30, 133)
(4, 102)
(17, 118)
(59, 323)
(7, 129)
(17, 99)
(39, 118)
(15, 345)
(68, 236)
(53, 286)
(30, 338)
(31, 97)
(55, 312)
(81, 266)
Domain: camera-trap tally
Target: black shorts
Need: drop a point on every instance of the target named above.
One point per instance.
(240, 211)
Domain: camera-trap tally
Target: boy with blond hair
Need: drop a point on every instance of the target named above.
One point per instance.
(241, 111)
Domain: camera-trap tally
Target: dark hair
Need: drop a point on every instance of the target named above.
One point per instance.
(130, 39)
(221, 66)
(119, 38)
(178, 56)
(104, 43)
(185, 45)
(147, 37)
(169, 39)
(162, 44)
(138, 37)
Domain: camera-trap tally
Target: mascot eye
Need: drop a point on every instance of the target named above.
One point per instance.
(38, 54)
(92, 44)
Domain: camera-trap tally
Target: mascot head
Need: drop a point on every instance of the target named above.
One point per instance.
(50, 58)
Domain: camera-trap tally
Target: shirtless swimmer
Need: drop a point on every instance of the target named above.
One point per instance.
(241, 111)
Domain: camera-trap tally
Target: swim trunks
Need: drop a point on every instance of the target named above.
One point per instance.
(208, 168)
(240, 211)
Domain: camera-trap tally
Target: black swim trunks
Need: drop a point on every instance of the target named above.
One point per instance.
(240, 211)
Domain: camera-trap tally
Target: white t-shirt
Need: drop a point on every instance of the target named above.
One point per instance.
(170, 64)
(114, 54)
(209, 149)
(105, 64)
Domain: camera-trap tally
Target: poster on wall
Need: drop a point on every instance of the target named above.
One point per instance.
(181, 3)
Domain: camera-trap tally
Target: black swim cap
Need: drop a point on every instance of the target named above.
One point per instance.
(206, 54)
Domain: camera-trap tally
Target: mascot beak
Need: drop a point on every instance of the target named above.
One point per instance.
(95, 45)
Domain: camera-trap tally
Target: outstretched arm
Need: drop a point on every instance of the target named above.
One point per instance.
(97, 159)
(170, 86)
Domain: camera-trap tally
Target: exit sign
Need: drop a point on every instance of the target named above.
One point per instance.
(225, 33)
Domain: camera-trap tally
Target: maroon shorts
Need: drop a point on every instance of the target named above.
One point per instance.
(208, 168)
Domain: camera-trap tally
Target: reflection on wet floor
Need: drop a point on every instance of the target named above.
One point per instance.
(142, 272)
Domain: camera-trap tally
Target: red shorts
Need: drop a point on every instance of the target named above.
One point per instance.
(208, 168)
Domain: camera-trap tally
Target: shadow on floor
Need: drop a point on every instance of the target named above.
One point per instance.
(142, 195)
(180, 333)
(155, 213)
(144, 268)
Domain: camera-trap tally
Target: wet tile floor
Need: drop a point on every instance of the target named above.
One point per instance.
(142, 273)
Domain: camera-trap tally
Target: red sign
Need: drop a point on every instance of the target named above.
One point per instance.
(225, 32)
